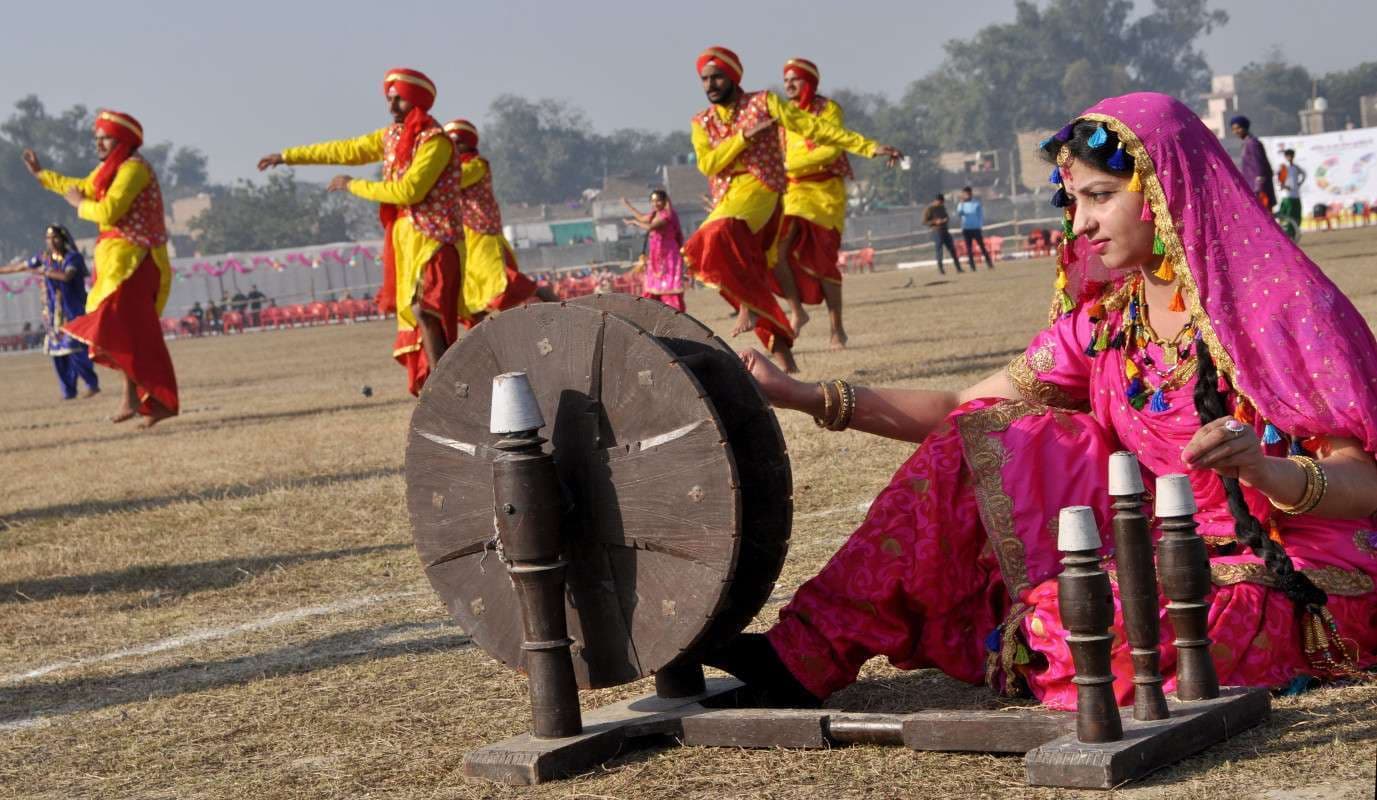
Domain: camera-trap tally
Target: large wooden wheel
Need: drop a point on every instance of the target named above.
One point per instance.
(657, 492)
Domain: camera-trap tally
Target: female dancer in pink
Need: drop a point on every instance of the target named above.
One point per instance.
(664, 272)
(1187, 328)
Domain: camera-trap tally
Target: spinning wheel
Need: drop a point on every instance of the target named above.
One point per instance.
(675, 479)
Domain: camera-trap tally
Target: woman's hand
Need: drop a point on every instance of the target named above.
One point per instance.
(340, 183)
(31, 162)
(1228, 447)
(781, 390)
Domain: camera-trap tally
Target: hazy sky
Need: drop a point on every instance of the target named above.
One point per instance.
(240, 79)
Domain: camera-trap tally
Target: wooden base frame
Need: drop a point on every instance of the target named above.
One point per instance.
(1054, 755)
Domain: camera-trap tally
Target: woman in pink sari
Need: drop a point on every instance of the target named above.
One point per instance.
(1187, 329)
(664, 272)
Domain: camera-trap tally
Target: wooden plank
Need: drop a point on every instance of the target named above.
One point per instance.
(1005, 731)
(1147, 745)
(765, 728)
(525, 760)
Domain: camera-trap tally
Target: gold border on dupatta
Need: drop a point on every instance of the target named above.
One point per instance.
(1035, 390)
(986, 456)
(1176, 252)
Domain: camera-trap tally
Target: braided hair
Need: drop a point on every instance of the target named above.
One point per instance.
(1209, 404)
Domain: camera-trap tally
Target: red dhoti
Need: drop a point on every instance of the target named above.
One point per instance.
(124, 333)
(727, 256)
(442, 285)
(812, 256)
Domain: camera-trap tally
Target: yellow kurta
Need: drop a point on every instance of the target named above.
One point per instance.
(411, 248)
(116, 258)
(747, 198)
(822, 202)
(485, 261)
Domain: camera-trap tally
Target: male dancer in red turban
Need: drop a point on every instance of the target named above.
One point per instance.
(423, 272)
(133, 273)
(740, 150)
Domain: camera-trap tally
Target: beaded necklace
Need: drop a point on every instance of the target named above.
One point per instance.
(1148, 382)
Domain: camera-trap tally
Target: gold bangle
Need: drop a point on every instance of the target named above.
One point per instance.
(847, 406)
(1316, 484)
(826, 419)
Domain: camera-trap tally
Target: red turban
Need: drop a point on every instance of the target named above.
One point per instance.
(128, 136)
(461, 130)
(723, 59)
(415, 88)
(808, 72)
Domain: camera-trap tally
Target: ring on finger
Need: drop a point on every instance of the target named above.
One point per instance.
(1234, 427)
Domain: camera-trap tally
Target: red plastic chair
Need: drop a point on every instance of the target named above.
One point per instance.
(190, 325)
(232, 321)
(295, 314)
(171, 327)
(332, 310)
(868, 259)
(996, 247)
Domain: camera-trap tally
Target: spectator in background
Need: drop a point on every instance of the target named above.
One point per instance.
(1256, 169)
(240, 303)
(1291, 177)
(936, 218)
(972, 215)
(256, 305)
(198, 313)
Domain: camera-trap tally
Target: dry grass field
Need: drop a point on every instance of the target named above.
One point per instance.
(229, 606)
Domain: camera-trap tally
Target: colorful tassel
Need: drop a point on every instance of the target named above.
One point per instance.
(1064, 135)
(1166, 271)
(1118, 161)
(1132, 311)
(1067, 304)
(1177, 303)
(992, 641)
(1242, 412)
(1146, 216)
(1097, 310)
(1295, 449)
(1042, 145)
(1068, 228)
(1055, 177)
(1316, 444)
(1060, 199)
(1138, 401)
(1102, 341)
(1274, 532)
(1131, 370)
(1159, 402)
(1135, 388)
(1117, 342)
(1098, 138)
(1270, 434)
(1159, 247)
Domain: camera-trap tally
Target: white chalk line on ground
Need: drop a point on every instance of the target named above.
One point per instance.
(269, 621)
(207, 635)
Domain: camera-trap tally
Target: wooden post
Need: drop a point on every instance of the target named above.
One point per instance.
(1137, 585)
(1185, 567)
(1087, 611)
(680, 679)
(526, 500)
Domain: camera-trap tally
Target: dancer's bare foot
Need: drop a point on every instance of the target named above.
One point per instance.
(158, 414)
(125, 413)
(745, 321)
(785, 360)
(839, 339)
(798, 318)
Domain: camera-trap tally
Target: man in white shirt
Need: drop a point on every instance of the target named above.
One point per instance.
(1290, 177)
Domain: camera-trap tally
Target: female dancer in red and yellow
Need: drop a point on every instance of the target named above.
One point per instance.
(133, 273)
(423, 269)
(814, 207)
(742, 155)
(492, 280)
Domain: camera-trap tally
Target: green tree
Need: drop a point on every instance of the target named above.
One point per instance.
(278, 213)
(541, 151)
(1271, 93)
(1052, 61)
(1344, 90)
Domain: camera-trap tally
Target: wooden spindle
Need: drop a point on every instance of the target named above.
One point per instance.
(1137, 585)
(1087, 611)
(1185, 567)
(526, 500)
